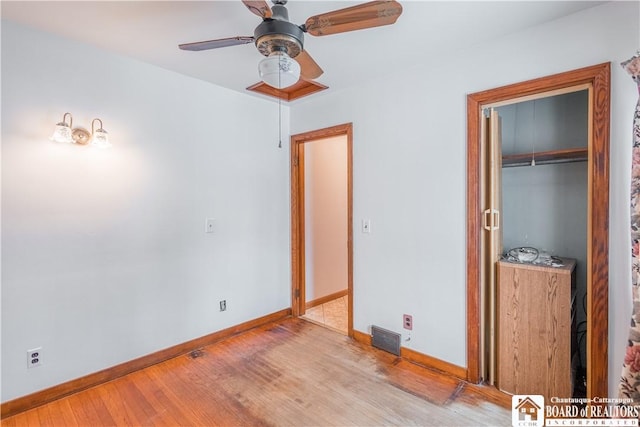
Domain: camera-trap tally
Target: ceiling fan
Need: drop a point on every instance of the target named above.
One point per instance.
(280, 40)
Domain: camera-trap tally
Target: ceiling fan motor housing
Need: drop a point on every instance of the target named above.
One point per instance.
(277, 34)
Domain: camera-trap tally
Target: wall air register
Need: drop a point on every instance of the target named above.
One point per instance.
(385, 340)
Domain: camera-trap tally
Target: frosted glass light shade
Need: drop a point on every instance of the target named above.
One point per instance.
(62, 133)
(100, 139)
(279, 70)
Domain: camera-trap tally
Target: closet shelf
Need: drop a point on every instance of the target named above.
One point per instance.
(568, 155)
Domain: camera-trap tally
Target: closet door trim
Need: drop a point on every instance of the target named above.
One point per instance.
(597, 78)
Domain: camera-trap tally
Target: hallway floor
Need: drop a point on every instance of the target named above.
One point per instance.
(332, 314)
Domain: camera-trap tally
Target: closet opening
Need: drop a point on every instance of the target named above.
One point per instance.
(541, 272)
(537, 282)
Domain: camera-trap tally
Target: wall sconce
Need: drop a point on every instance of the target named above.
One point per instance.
(100, 138)
(65, 132)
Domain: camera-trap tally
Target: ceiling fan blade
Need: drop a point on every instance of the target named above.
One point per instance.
(215, 44)
(258, 7)
(366, 15)
(309, 69)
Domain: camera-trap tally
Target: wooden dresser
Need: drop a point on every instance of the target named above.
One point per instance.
(534, 328)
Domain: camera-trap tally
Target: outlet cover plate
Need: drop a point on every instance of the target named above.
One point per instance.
(34, 358)
(407, 321)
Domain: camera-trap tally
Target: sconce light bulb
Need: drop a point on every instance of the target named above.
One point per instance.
(62, 133)
(100, 139)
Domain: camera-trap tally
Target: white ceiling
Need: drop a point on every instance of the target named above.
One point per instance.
(150, 31)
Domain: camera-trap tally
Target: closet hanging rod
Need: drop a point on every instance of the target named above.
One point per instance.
(568, 155)
(543, 162)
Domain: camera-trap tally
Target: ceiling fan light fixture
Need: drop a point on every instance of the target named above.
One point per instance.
(279, 70)
(280, 40)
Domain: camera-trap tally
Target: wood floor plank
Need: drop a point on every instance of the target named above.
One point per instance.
(179, 389)
(138, 405)
(289, 373)
(204, 398)
(52, 416)
(169, 414)
(177, 405)
(434, 387)
(103, 416)
(63, 407)
(61, 413)
(113, 396)
(82, 408)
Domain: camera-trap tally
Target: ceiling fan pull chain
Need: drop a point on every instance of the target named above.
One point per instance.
(279, 123)
(279, 106)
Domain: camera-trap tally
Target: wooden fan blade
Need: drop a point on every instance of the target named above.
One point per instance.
(309, 69)
(258, 7)
(366, 15)
(215, 44)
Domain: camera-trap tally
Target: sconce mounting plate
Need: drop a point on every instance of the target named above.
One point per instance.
(80, 136)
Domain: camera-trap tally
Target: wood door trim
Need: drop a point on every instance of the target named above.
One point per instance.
(297, 215)
(598, 78)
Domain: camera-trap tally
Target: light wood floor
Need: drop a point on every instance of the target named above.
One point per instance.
(291, 373)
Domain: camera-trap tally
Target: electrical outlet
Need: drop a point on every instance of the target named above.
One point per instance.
(209, 225)
(407, 321)
(34, 357)
(223, 305)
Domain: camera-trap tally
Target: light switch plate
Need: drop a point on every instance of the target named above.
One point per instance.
(366, 226)
(209, 226)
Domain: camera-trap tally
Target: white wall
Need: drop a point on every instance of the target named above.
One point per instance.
(551, 123)
(104, 255)
(326, 217)
(546, 207)
(409, 171)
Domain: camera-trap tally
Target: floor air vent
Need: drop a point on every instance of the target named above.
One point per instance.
(385, 340)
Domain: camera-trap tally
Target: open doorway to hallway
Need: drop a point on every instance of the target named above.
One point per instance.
(322, 227)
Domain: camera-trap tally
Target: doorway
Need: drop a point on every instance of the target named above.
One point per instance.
(321, 227)
(596, 81)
